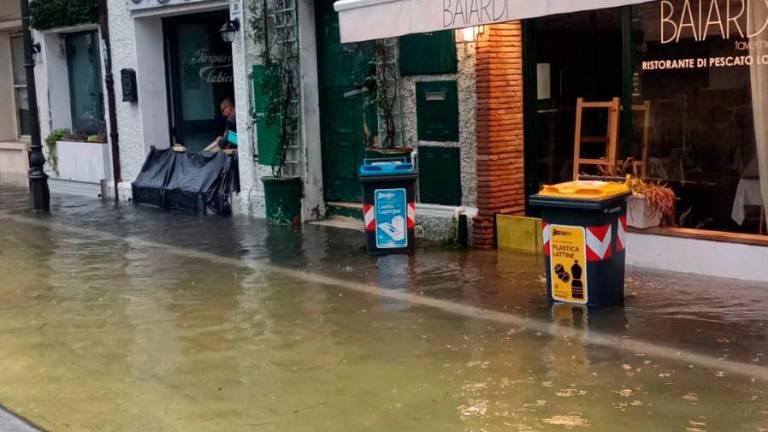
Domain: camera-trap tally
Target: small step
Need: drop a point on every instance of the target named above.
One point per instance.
(343, 222)
(344, 209)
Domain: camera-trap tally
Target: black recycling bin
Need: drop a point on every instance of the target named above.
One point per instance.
(584, 234)
(389, 205)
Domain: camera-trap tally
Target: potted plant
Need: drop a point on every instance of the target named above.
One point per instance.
(650, 204)
(275, 93)
(383, 83)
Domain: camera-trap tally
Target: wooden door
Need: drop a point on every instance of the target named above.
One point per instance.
(346, 119)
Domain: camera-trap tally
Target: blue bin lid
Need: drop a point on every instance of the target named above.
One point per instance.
(383, 167)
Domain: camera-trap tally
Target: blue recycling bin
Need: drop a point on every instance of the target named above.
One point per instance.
(389, 205)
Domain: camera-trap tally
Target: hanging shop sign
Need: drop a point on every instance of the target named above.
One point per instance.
(739, 26)
(148, 4)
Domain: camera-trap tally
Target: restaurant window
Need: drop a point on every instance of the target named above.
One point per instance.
(20, 86)
(84, 69)
(701, 68)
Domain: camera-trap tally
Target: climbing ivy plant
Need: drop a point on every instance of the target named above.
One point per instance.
(47, 14)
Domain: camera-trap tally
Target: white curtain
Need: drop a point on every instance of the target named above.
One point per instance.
(759, 79)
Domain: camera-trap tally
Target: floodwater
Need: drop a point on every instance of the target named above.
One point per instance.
(136, 319)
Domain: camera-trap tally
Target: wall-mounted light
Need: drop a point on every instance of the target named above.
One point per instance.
(229, 29)
(36, 48)
(469, 34)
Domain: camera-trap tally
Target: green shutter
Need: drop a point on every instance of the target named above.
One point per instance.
(437, 111)
(439, 175)
(428, 53)
(267, 132)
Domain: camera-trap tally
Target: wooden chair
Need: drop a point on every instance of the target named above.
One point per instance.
(609, 140)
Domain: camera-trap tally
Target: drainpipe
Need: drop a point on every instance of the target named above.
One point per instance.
(109, 81)
(38, 180)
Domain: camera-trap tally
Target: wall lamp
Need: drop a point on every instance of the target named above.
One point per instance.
(469, 34)
(229, 29)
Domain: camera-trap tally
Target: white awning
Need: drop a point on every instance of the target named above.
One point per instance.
(377, 19)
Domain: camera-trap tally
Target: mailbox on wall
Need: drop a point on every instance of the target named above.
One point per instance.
(128, 81)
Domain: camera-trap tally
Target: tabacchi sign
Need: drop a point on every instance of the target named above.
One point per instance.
(703, 19)
(147, 4)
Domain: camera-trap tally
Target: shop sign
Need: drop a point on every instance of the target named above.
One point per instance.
(148, 4)
(568, 263)
(391, 215)
(742, 23)
(202, 65)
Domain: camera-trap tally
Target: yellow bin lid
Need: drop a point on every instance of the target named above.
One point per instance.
(585, 190)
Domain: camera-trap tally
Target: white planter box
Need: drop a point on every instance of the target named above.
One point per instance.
(639, 214)
(82, 161)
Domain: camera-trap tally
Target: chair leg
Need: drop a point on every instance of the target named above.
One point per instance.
(762, 220)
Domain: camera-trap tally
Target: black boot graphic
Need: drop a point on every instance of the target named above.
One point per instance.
(577, 287)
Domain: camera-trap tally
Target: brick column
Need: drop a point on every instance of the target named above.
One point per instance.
(499, 87)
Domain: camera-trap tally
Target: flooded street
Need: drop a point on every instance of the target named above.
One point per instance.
(136, 319)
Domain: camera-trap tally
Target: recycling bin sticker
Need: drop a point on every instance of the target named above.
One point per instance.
(391, 213)
(568, 261)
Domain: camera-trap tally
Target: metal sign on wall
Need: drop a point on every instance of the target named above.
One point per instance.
(148, 4)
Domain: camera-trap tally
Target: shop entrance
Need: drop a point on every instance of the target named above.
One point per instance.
(199, 77)
(576, 55)
(345, 125)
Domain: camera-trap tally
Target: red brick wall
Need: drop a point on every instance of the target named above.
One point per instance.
(499, 87)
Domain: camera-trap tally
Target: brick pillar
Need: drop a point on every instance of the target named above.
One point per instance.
(499, 87)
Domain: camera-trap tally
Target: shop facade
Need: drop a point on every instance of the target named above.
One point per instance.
(696, 68)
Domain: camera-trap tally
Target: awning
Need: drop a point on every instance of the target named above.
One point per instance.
(377, 19)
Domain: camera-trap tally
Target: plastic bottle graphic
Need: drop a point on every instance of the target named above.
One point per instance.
(577, 286)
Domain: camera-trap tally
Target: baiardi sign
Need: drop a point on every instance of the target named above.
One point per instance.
(708, 19)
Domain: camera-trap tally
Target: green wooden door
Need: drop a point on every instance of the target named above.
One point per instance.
(344, 123)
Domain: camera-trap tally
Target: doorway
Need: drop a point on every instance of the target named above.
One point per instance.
(571, 56)
(199, 77)
(347, 122)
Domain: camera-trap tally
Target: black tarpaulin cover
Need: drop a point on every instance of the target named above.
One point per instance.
(187, 180)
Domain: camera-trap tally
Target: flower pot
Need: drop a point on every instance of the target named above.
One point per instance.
(384, 153)
(639, 213)
(282, 199)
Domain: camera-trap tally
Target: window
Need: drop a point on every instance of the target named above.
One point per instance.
(428, 53)
(20, 86)
(699, 69)
(84, 68)
(705, 81)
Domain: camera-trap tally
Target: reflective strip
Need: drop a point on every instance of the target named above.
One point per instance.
(599, 243)
(621, 234)
(369, 217)
(411, 215)
(546, 236)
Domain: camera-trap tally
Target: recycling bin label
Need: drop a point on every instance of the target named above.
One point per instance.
(391, 214)
(568, 261)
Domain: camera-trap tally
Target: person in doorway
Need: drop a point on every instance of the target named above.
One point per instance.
(227, 140)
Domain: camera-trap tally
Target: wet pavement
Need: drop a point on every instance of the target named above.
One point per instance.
(134, 319)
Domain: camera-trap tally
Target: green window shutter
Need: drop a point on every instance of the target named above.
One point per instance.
(439, 175)
(428, 53)
(437, 111)
(267, 132)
